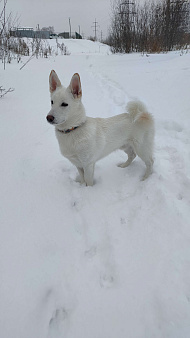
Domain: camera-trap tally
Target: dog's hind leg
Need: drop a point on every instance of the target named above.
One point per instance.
(149, 168)
(131, 155)
(145, 153)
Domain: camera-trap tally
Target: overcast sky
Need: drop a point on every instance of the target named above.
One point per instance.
(57, 12)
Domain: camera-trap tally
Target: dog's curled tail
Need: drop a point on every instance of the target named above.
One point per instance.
(138, 112)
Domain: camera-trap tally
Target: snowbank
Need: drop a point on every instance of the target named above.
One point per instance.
(110, 260)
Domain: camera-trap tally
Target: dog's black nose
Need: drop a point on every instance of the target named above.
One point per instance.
(50, 118)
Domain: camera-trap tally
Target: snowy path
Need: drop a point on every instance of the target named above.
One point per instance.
(107, 261)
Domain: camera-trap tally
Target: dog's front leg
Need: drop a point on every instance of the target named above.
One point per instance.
(81, 173)
(89, 174)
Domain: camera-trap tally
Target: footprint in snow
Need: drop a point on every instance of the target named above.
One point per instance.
(106, 280)
(58, 324)
(173, 126)
(123, 221)
(91, 252)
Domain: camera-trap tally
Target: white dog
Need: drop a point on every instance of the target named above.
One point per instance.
(85, 140)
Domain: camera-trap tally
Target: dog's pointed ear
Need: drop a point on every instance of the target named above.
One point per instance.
(75, 86)
(54, 81)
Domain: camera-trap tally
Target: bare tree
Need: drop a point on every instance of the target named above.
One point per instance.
(152, 27)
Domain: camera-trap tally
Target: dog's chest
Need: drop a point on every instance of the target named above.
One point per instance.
(69, 148)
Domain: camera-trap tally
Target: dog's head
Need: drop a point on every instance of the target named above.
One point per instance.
(64, 101)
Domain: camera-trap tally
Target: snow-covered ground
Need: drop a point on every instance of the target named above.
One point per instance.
(108, 261)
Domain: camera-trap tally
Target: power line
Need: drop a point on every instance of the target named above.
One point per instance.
(127, 13)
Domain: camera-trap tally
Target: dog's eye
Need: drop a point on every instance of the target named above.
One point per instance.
(64, 104)
(51, 102)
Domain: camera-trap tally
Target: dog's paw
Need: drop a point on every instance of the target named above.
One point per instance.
(78, 180)
(146, 175)
(120, 165)
(123, 165)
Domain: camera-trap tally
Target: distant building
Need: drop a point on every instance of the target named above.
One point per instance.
(64, 35)
(78, 36)
(53, 36)
(26, 32)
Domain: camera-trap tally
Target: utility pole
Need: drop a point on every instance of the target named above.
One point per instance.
(95, 28)
(4, 33)
(79, 29)
(101, 36)
(70, 26)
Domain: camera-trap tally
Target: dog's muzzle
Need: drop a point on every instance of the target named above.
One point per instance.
(50, 118)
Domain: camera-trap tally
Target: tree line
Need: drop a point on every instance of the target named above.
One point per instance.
(152, 26)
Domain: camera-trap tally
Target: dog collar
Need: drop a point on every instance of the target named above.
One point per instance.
(68, 130)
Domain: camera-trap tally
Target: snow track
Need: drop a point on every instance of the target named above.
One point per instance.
(110, 260)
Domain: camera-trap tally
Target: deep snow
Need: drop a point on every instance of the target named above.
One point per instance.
(107, 261)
